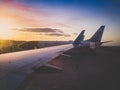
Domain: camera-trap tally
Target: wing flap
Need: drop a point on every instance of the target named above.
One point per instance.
(48, 68)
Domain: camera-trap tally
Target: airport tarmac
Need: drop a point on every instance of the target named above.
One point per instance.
(87, 69)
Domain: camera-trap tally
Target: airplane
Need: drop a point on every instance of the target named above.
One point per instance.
(93, 42)
(15, 66)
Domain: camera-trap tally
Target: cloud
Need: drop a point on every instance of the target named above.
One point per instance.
(44, 30)
(58, 34)
(75, 33)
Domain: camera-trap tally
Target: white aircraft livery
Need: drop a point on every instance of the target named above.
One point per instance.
(14, 67)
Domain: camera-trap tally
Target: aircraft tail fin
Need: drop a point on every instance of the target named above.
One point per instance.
(98, 35)
(79, 38)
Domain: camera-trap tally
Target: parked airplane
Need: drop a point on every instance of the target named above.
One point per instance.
(14, 67)
(93, 42)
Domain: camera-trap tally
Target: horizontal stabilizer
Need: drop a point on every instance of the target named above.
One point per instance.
(106, 41)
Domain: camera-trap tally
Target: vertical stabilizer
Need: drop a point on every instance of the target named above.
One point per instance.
(79, 38)
(98, 35)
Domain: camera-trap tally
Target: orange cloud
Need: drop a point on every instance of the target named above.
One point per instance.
(24, 16)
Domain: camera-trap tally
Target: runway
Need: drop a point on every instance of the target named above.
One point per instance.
(87, 69)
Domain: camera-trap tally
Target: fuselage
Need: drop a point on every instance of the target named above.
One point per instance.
(87, 43)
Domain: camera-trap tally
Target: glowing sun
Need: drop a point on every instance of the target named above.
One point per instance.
(5, 26)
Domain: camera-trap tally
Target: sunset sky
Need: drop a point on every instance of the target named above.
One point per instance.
(59, 19)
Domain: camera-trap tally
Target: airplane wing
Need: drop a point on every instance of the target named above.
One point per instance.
(14, 67)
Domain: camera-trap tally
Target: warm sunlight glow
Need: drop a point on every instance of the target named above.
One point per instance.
(5, 26)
